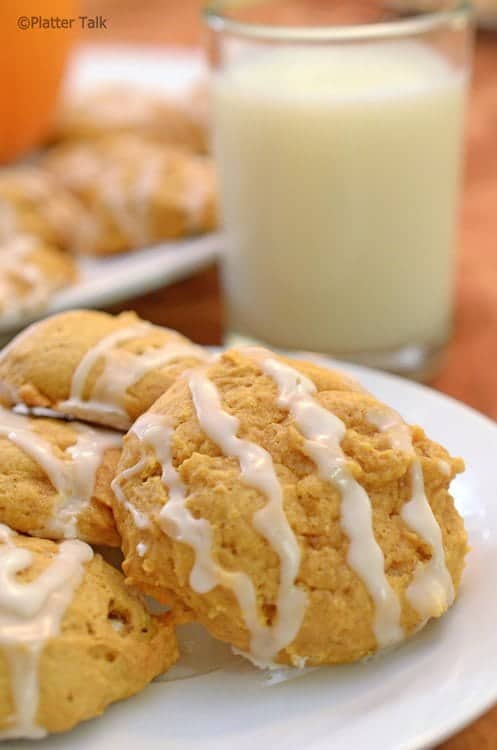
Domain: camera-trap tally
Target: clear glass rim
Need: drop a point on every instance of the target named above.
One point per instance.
(425, 22)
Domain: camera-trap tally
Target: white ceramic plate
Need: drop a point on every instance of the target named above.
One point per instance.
(408, 699)
(167, 69)
(111, 280)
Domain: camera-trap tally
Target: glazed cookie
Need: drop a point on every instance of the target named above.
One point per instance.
(55, 478)
(33, 203)
(30, 272)
(297, 517)
(73, 638)
(93, 366)
(138, 192)
(118, 108)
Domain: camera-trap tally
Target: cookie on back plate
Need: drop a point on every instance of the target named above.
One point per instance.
(137, 192)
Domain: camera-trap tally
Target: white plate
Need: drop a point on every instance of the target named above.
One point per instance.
(114, 279)
(405, 700)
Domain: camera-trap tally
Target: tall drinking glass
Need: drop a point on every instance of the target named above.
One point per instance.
(339, 146)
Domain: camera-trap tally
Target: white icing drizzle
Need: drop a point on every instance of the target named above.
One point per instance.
(129, 201)
(444, 467)
(198, 188)
(18, 247)
(175, 518)
(16, 267)
(127, 176)
(121, 370)
(72, 476)
(145, 186)
(323, 433)
(114, 197)
(140, 520)
(125, 368)
(57, 208)
(177, 522)
(30, 616)
(257, 470)
(431, 590)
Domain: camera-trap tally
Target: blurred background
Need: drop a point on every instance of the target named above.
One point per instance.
(194, 305)
(469, 373)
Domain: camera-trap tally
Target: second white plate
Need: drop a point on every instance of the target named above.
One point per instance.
(106, 281)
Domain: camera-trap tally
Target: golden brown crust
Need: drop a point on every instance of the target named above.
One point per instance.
(30, 503)
(38, 367)
(339, 617)
(108, 648)
(138, 192)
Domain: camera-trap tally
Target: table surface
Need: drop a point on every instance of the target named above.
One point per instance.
(194, 306)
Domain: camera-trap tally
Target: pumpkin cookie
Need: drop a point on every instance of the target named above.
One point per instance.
(294, 515)
(198, 103)
(119, 108)
(30, 272)
(138, 192)
(55, 478)
(93, 366)
(73, 638)
(33, 203)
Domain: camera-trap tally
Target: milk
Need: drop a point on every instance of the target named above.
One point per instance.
(339, 174)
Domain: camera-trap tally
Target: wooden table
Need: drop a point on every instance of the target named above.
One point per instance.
(470, 373)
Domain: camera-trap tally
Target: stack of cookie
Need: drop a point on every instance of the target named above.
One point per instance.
(273, 501)
(127, 169)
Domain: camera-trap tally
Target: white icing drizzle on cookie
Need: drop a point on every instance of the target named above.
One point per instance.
(323, 433)
(444, 467)
(73, 475)
(431, 591)
(121, 370)
(16, 268)
(175, 519)
(61, 212)
(140, 520)
(177, 522)
(145, 187)
(257, 470)
(128, 193)
(31, 615)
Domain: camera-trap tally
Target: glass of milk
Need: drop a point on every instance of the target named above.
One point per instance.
(339, 147)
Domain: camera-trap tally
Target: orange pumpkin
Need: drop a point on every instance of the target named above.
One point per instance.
(32, 63)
